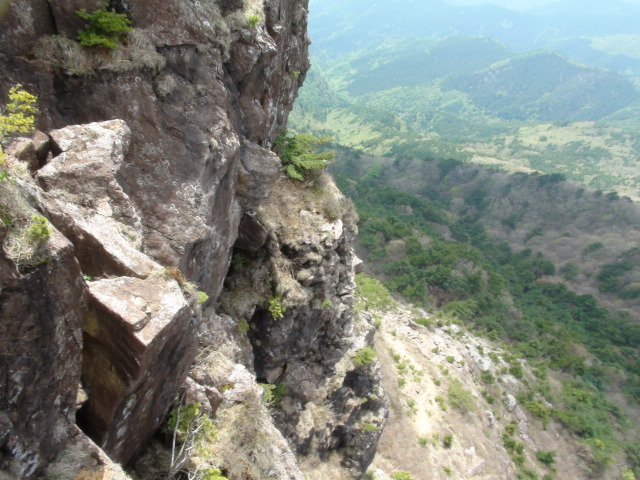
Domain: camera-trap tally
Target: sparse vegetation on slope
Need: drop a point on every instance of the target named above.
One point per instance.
(436, 249)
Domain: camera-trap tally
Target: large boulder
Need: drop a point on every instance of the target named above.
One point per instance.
(87, 203)
(139, 344)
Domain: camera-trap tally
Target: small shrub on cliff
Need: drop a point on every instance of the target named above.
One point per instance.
(201, 297)
(402, 475)
(370, 427)
(272, 394)
(276, 309)
(253, 20)
(548, 458)
(300, 161)
(191, 430)
(213, 474)
(459, 397)
(364, 356)
(541, 411)
(25, 241)
(104, 29)
(38, 230)
(18, 116)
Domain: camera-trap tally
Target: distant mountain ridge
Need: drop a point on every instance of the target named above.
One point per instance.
(545, 86)
(341, 27)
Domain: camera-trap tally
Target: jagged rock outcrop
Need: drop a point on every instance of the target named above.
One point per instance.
(128, 339)
(301, 324)
(138, 348)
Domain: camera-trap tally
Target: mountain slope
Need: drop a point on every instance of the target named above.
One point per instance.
(545, 87)
(444, 383)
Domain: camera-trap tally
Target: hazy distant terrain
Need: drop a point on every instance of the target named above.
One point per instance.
(347, 26)
(556, 93)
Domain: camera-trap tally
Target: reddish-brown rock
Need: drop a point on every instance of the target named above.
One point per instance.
(41, 315)
(139, 344)
(202, 123)
(87, 203)
(223, 86)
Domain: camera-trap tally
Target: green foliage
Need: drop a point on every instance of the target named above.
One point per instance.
(609, 276)
(592, 247)
(539, 410)
(213, 474)
(272, 394)
(364, 356)
(104, 28)
(253, 21)
(569, 271)
(243, 326)
(18, 116)
(201, 297)
(447, 440)
(544, 97)
(516, 369)
(487, 376)
(484, 282)
(25, 240)
(299, 157)
(370, 293)
(276, 309)
(38, 230)
(547, 458)
(527, 474)
(190, 420)
(459, 397)
(627, 474)
(425, 322)
(401, 475)
(370, 427)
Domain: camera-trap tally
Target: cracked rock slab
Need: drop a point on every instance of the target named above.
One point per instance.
(139, 345)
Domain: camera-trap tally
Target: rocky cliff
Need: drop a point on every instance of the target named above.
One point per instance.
(155, 170)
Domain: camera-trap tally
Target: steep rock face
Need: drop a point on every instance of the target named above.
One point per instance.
(138, 332)
(203, 95)
(301, 325)
(213, 90)
(130, 341)
(180, 180)
(42, 308)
